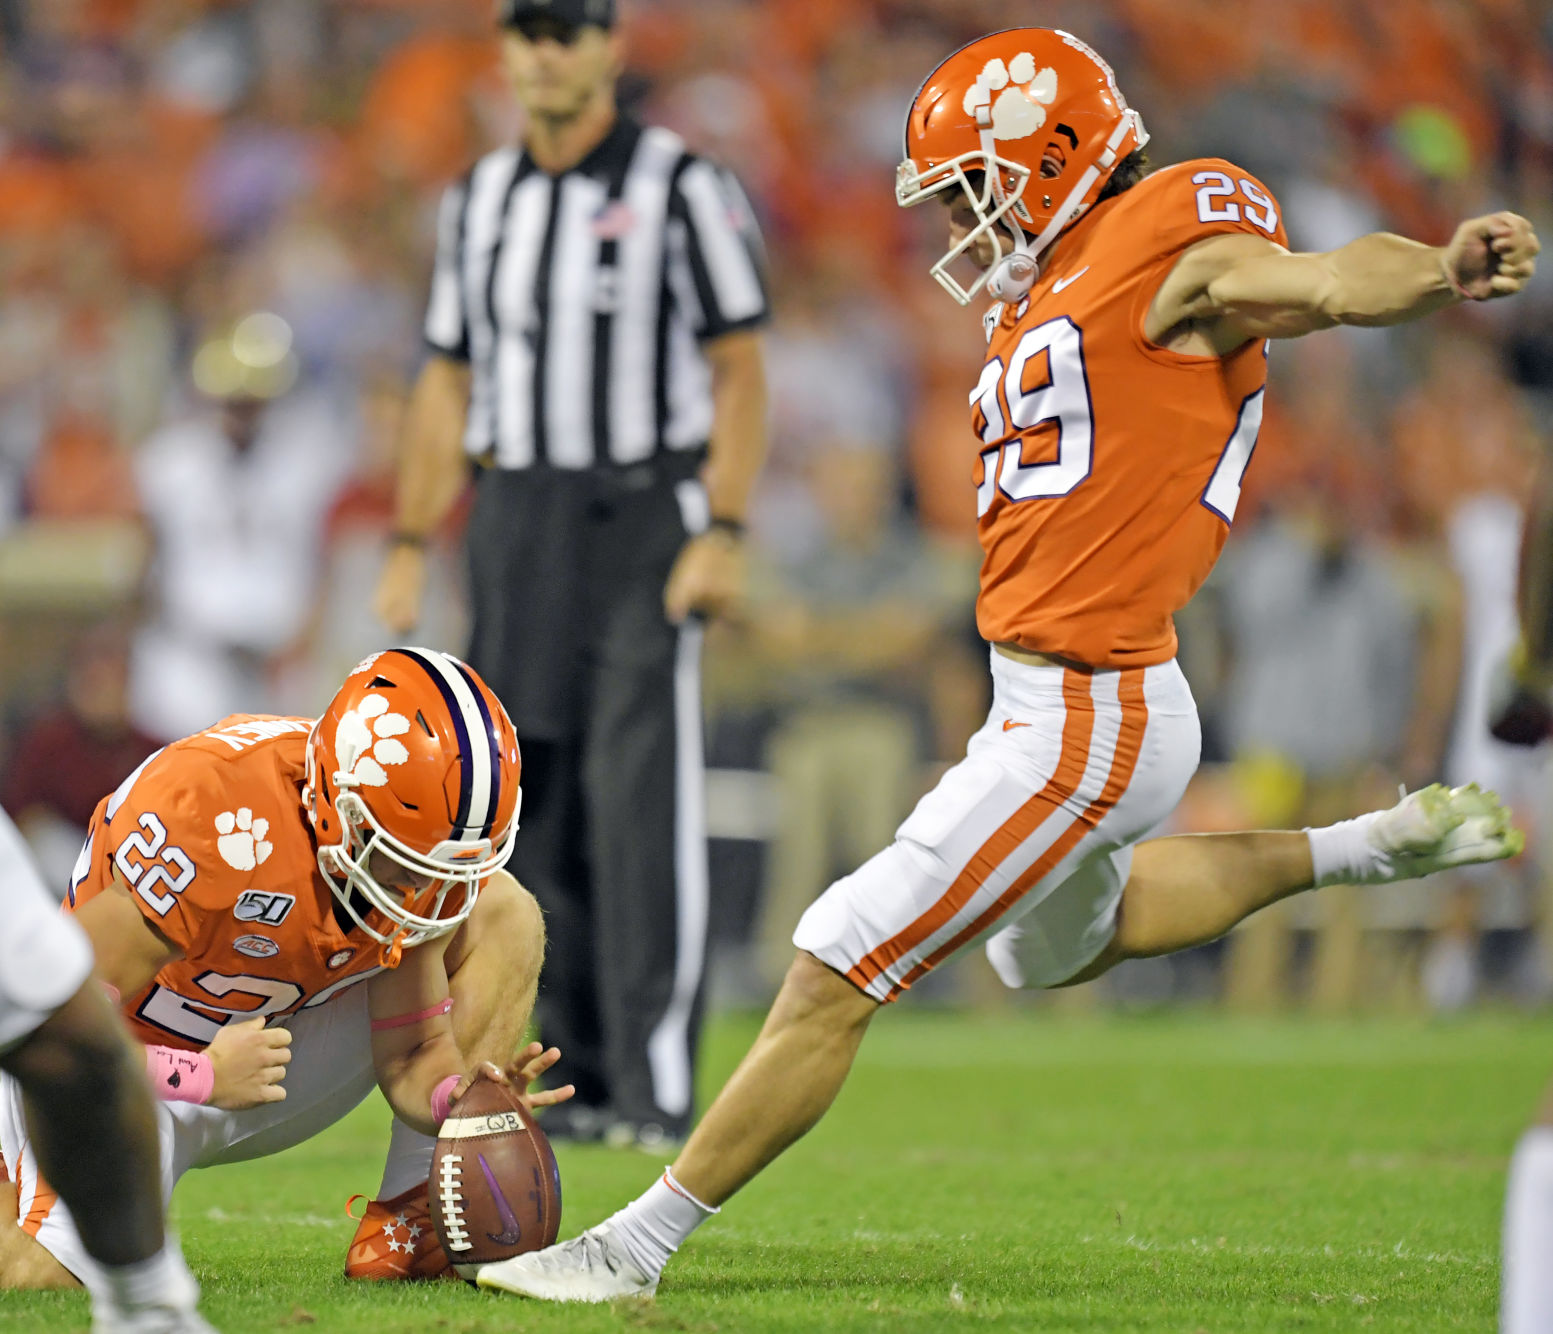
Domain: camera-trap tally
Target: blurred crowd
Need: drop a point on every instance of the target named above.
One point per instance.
(216, 225)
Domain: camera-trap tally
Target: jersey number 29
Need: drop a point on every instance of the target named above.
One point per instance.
(1064, 398)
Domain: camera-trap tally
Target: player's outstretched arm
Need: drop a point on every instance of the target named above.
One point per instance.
(1240, 287)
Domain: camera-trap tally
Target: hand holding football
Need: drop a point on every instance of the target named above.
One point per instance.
(495, 1187)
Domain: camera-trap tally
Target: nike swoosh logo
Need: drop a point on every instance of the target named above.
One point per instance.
(512, 1230)
(1009, 724)
(1071, 278)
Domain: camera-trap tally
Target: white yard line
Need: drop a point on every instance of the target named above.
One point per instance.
(218, 1215)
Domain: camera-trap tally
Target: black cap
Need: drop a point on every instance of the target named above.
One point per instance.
(601, 13)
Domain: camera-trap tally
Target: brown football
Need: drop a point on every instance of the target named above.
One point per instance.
(495, 1186)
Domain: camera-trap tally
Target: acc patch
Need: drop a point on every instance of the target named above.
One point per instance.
(256, 947)
(258, 905)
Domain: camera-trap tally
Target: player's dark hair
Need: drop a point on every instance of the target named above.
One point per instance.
(1129, 171)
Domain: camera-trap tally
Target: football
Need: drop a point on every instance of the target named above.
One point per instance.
(495, 1187)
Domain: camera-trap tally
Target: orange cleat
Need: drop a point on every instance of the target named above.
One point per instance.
(395, 1239)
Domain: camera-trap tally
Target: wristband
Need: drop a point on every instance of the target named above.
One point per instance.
(443, 1006)
(401, 538)
(180, 1076)
(719, 523)
(442, 1098)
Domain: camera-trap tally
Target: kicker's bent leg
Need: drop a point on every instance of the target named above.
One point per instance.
(1188, 890)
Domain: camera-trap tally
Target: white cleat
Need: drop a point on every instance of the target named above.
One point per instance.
(1436, 828)
(588, 1268)
(159, 1320)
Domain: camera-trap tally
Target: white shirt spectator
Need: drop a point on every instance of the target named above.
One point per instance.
(238, 536)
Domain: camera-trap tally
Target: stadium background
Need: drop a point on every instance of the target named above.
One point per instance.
(200, 198)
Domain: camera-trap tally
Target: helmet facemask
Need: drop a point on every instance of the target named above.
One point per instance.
(992, 202)
(426, 894)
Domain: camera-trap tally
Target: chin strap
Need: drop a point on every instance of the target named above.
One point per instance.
(392, 950)
(1070, 206)
(1013, 276)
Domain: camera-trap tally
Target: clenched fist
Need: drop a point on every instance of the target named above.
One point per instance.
(249, 1061)
(1491, 256)
(707, 578)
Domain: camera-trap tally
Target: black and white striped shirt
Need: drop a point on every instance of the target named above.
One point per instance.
(580, 301)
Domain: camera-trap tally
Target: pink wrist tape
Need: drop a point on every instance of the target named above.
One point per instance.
(400, 1020)
(442, 1098)
(180, 1076)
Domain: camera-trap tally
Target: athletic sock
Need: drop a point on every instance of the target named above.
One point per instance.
(655, 1224)
(161, 1283)
(1342, 853)
(1528, 1236)
(408, 1163)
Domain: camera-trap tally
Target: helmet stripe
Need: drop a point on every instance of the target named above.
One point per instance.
(494, 741)
(474, 762)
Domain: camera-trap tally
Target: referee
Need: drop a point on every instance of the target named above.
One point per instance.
(594, 349)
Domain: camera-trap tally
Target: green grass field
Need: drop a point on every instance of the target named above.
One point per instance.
(1030, 1172)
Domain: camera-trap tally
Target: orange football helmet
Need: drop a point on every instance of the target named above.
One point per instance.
(412, 791)
(1022, 105)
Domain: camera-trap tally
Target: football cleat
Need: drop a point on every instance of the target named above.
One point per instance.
(395, 1239)
(170, 1308)
(588, 1268)
(157, 1320)
(170, 1311)
(1438, 827)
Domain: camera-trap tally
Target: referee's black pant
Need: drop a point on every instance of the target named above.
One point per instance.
(567, 576)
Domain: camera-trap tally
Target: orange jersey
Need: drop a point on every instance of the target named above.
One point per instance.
(211, 837)
(1110, 468)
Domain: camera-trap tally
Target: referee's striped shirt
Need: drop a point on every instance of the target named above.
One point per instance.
(580, 300)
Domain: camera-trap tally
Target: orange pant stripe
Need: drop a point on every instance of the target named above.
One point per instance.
(1077, 732)
(1129, 742)
(42, 1200)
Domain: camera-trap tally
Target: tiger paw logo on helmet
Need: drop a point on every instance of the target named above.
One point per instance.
(241, 839)
(1020, 109)
(364, 741)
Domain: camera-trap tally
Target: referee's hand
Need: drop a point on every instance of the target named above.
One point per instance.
(399, 588)
(707, 578)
